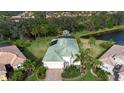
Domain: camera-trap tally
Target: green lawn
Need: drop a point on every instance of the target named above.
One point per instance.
(32, 78)
(96, 49)
(78, 34)
(84, 33)
(78, 78)
(38, 48)
(89, 77)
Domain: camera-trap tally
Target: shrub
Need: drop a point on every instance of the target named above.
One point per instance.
(71, 72)
(28, 67)
(22, 43)
(106, 44)
(5, 43)
(102, 75)
(18, 75)
(41, 72)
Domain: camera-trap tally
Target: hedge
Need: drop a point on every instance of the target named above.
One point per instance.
(71, 72)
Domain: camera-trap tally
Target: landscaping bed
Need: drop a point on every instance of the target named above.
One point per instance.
(71, 72)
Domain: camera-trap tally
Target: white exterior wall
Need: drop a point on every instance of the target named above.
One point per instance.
(54, 64)
(77, 63)
(107, 67)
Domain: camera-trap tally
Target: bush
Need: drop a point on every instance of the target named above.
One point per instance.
(41, 72)
(106, 44)
(102, 75)
(22, 43)
(71, 72)
(18, 75)
(5, 42)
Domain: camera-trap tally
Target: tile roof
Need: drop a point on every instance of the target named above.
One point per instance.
(12, 49)
(64, 47)
(116, 51)
(11, 55)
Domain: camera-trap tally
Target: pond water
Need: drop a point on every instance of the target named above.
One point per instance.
(115, 36)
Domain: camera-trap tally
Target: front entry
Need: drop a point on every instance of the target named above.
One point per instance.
(66, 64)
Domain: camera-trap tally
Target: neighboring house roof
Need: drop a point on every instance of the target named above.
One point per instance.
(11, 55)
(65, 47)
(114, 50)
(12, 49)
(110, 57)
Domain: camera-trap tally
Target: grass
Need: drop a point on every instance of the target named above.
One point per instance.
(78, 34)
(96, 49)
(89, 77)
(32, 78)
(85, 33)
(38, 47)
(78, 78)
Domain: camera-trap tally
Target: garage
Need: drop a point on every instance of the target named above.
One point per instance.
(52, 65)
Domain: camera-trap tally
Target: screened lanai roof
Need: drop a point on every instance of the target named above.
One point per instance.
(65, 47)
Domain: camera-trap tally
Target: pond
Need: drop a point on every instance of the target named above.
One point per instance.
(115, 36)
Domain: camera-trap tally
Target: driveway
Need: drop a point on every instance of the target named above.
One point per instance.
(53, 75)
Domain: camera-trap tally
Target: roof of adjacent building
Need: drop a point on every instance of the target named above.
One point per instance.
(11, 55)
(12, 49)
(116, 51)
(65, 46)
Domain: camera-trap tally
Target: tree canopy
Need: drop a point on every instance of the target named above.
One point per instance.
(40, 26)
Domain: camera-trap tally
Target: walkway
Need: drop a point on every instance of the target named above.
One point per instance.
(53, 75)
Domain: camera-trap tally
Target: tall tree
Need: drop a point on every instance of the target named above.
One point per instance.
(92, 41)
(85, 60)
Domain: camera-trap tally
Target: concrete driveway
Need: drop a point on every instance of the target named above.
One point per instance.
(53, 75)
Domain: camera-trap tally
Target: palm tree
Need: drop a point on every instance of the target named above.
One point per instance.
(85, 60)
(41, 73)
(96, 64)
(92, 41)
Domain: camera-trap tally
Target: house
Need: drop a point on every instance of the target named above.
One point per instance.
(10, 55)
(62, 52)
(24, 15)
(113, 62)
